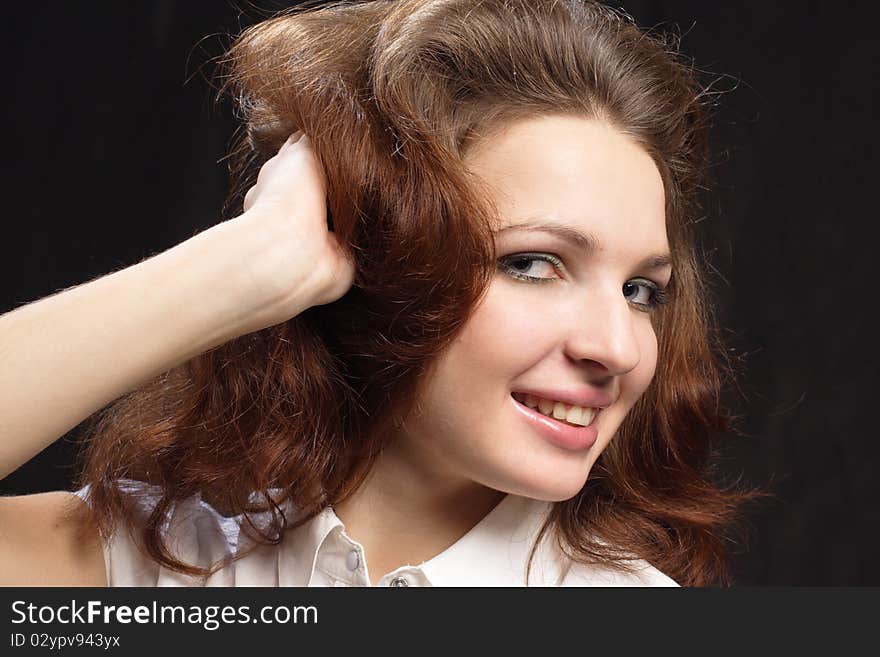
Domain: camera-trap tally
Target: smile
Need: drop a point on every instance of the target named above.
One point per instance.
(561, 433)
(582, 416)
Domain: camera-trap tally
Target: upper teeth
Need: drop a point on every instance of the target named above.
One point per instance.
(581, 415)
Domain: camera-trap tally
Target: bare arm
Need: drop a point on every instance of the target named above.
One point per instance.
(46, 540)
(66, 356)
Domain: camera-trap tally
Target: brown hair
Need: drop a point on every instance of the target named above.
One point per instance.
(392, 95)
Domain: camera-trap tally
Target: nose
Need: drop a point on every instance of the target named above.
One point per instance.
(604, 330)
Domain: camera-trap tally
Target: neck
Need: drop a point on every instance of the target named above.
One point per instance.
(405, 514)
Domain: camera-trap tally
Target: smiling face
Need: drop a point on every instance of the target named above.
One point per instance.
(563, 314)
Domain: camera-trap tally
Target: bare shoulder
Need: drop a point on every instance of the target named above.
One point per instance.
(48, 539)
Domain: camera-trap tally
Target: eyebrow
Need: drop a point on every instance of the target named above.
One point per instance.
(584, 241)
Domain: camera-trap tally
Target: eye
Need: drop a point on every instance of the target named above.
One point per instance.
(644, 294)
(518, 264)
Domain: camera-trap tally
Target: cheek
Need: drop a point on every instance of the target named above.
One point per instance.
(499, 341)
(505, 329)
(632, 386)
(638, 380)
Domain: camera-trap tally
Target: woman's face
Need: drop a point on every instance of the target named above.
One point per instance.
(561, 317)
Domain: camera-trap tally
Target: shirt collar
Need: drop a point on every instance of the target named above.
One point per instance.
(493, 553)
(299, 549)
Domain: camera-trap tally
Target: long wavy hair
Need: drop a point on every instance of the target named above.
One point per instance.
(392, 95)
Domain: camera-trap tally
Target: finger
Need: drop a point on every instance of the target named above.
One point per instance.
(249, 198)
(293, 138)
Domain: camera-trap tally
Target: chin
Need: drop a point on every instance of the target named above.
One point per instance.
(550, 487)
(556, 495)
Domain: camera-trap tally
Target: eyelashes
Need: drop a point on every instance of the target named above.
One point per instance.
(652, 298)
(509, 264)
(656, 296)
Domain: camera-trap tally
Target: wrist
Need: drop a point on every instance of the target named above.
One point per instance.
(230, 271)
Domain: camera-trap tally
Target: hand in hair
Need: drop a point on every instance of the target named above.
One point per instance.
(69, 355)
(288, 206)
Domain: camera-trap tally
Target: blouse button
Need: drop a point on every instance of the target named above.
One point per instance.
(399, 581)
(352, 561)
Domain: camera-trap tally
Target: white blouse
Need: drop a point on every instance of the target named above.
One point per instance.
(319, 553)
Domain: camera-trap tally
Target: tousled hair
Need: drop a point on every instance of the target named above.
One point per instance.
(393, 95)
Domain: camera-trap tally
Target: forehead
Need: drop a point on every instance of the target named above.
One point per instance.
(576, 172)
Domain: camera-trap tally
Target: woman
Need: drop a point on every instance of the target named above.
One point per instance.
(494, 368)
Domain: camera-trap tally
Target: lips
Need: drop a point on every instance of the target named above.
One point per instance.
(587, 397)
(560, 434)
(581, 416)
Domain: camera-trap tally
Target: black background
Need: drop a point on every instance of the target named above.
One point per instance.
(113, 152)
